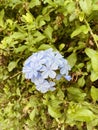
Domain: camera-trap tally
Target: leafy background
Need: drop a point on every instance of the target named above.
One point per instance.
(69, 26)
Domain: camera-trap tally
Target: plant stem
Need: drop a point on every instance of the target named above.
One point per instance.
(91, 32)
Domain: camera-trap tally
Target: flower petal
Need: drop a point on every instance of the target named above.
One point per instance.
(52, 74)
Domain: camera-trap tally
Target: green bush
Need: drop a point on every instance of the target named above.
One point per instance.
(69, 26)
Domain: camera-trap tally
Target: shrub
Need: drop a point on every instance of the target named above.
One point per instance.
(29, 26)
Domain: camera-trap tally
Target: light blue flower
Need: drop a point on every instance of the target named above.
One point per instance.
(39, 58)
(64, 68)
(33, 65)
(31, 70)
(45, 66)
(58, 77)
(58, 59)
(49, 70)
(52, 84)
(38, 80)
(45, 86)
(54, 57)
(68, 77)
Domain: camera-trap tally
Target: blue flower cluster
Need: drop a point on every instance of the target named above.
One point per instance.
(45, 66)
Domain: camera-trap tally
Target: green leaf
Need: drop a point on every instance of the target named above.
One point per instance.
(1, 18)
(48, 32)
(94, 76)
(12, 65)
(76, 94)
(94, 93)
(95, 7)
(89, 66)
(28, 17)
(84, 114)
(60, 94)
(20, 49)
(59, 2)
(92, 124)
(80, 65)
(81, 29)
(61, 46)
(78, 112)
(86, 6)
(32, 114)
(81, 16)
(72, 16)
(90, 52)
(18, 92)
(44, 47)
(70, 7)
(12, 39)
(72, 59)
(54, 112)
(50, 2)
(93, 55)
(81, 81)
(18, 35)
(34, 3)
(37, 37)
(40, 21)
(96, 37)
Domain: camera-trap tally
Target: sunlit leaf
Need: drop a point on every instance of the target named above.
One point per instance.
(44, 47)
(76, 94)
(81, 81)
(94, 76)
(81, 16)
(94, 93)
(34, 3)
(93, 55)
(84, 115)
(28, 17)
(70, 7)
(12, 65)
(86, 6)
(20, 49)
(80, 29)
(54, 112)
(18, 92)
(48, 31)
(72, 17)
(40, 21)
(38, 36)
(32, 114)
(72, 59)
(1, 18)
(77, 112)
(61, 46)
(18, 35)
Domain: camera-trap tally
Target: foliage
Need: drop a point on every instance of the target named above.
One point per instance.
(69, 26)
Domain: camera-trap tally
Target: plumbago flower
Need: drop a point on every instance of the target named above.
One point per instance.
(45, 66)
